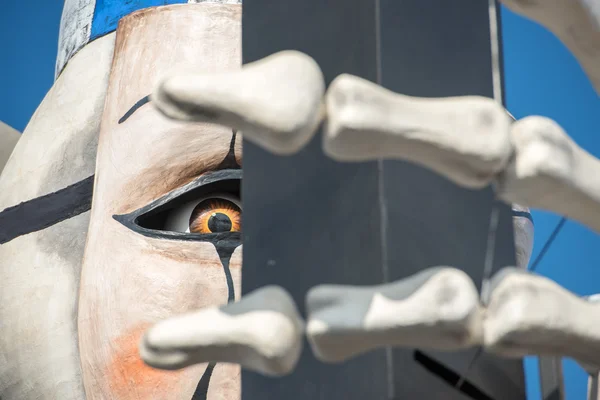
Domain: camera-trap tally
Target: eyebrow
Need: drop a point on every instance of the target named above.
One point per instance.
(144, 100)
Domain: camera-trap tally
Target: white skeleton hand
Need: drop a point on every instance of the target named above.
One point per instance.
(470, 141)
(439, 308)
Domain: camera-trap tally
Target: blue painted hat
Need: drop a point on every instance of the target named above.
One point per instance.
(85, 20)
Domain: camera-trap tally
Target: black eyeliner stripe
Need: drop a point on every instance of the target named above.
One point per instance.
(130, 220)
(201, 392)
(134, 108)
(225, 252)
(225, 249)
(230, 162)
(523, 214)
(44, 211)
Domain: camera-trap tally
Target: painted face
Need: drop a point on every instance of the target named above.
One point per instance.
(164, 235)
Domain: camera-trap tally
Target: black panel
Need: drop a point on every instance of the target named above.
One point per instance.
(309, 220)
(434, 48)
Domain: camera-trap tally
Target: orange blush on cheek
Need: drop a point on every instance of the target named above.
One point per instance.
(130, 378)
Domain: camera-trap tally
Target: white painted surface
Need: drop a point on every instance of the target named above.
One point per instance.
(40, 271)
(8, 140)
(523, 231)
(142, 279)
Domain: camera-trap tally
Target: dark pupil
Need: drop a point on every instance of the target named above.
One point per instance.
(219, 222)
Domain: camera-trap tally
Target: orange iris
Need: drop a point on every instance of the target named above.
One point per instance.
(215, 216)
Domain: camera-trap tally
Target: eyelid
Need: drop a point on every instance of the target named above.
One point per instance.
(131, 220)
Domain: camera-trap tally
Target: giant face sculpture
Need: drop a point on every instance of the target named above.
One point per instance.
(166, 207)
(162, 237)
(164, 233)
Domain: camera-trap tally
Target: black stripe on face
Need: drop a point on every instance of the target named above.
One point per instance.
(45, 211)
(201, 392)
(522, 214)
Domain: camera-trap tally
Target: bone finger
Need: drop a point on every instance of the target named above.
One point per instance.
(437, 309)
(464, 139)
(575, 22)
(549, 171)
(262, 332)
(528, 314)
(276, 102)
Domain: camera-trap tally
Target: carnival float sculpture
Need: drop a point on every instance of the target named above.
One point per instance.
(121, 229)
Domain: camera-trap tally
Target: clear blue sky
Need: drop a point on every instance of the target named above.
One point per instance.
(541, 78)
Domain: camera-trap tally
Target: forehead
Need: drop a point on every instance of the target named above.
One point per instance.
(145, 155)
(201, 38)
(150, 155)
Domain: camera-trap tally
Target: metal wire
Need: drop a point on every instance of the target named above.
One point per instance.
(548, 243)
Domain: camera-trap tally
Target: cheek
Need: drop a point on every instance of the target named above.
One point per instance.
(225, 383)
(127, 373)
(128, 376)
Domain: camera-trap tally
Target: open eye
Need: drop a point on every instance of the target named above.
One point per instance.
(206, 208)
(215, 213)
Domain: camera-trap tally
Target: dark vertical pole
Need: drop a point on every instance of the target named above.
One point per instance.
(551, 378)
(309, 220)
(437, 48)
